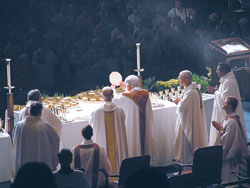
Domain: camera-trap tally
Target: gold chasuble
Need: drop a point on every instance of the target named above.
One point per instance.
(110, 139)
(140, 98)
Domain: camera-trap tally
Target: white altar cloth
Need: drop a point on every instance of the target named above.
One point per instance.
(164, 117)
(5, 157)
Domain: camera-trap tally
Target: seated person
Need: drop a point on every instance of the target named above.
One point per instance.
(91, 157)
(66, 177)
(235, 150)
(34, 174)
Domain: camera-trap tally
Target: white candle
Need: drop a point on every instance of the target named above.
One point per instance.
(138, 58)
(8, 72)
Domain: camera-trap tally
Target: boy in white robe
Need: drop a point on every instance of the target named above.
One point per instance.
(109, 128)
(191, 131)
(230, 136)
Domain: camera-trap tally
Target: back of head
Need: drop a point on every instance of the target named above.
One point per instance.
(65, 157)
(34, 95)
(132, 81)
(32, 175)
(87, 132)
(233, 102)
(35, 108)
(107, 93)
(147, 178)
(224, 68)
(186, 74)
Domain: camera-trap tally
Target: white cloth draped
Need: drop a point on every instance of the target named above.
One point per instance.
(99, 130)
(228, 87)
(191, 130)
(35, 141)
(133, 128)
(235, 150)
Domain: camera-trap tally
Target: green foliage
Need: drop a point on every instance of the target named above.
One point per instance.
(150, 84)
(58, 95)
(168, 84)
(202, 80)
(209, 74)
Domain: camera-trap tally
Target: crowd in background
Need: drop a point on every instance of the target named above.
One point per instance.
(68, 46)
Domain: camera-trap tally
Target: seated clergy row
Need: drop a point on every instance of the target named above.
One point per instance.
(124, 128)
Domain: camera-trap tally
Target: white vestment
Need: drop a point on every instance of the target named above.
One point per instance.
(47, 116)
(35, 141)
(73, 179)
(133, 126)
(99, 131)
(235, 150)
(87, 159)
(228, 87)
(191, 131)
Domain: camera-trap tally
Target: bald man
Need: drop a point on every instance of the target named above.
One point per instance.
(108, 123)
(191, 131)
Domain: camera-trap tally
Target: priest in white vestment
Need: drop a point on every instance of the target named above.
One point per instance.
(191, 131)
(108, 123)
(47, 116)
(139, 119)
(228, 87)
(35, 140)
(91, 157)
(230, 136)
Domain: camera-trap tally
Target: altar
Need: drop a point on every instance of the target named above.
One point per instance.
(164, 121)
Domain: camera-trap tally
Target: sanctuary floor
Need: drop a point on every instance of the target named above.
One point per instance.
(246, 108)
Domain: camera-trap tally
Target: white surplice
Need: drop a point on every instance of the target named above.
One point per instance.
(99, 130)
(87, 159)
(228, 87)
(191, 131)
(47, 116)
(34, 141)
(235, 150)
(133, 127)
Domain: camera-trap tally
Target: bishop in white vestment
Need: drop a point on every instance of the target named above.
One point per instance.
(139, 119)
(230, 136)
(191, 131)
(228, 87)
(108, 123)
(35, 140)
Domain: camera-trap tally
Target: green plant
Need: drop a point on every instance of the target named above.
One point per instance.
(150, 84)
(58, 95)
(202, 80)
(209, 74)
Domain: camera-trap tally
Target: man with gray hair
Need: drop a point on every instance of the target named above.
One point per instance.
(191, 131)
(139, 118)
(108, 123)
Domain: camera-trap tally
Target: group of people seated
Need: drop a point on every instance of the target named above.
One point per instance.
(123, 127)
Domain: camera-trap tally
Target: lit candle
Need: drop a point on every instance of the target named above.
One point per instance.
(8, 72)
(138, 58)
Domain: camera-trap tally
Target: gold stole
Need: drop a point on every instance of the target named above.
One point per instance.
(110, 140)
(140, 98)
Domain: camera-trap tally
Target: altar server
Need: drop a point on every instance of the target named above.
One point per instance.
(34, 140)
(108, 123)
(47, 116)
(191, 131)
(139, 118)
(91, 157)
(231, 137)
(228, 87)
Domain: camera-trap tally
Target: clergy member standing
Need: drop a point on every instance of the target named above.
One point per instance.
(231, 137)
(108, 123)
(35, 140)
(228, 87)
(139, 118)
(191, 131)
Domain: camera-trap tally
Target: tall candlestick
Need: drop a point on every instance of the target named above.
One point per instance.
(8, 74)
(138, 58)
